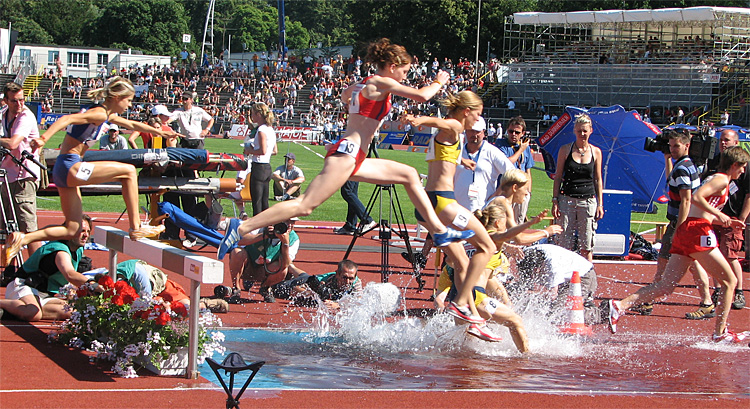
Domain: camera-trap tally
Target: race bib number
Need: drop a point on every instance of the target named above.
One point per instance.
(491, 305)
(85, 171)
(348, 147)
(708, 240)
(462, 219)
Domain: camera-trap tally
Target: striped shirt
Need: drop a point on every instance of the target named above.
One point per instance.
(684, 176)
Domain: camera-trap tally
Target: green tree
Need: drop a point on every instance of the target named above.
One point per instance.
(64, 21)
(257, 25)
(154, 26)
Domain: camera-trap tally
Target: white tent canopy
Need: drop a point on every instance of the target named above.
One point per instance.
(692, 14)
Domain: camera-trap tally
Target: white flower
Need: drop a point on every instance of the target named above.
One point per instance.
(130, 350)
(75, 342)
(218, 336)
(153, 337)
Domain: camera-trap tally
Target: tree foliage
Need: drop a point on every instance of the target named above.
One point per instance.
(439, 28)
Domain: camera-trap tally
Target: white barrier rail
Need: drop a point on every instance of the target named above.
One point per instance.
(198, 269)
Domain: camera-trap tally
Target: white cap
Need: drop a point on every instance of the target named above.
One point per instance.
(480, 125)
(160, 110)
(114, 127)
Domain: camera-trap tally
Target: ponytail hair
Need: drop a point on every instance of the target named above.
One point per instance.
(462, 100)
(382, 53)
(115, 87)
(264, 111)
(490, 214)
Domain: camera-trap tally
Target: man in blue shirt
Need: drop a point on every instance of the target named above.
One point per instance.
(515, 146)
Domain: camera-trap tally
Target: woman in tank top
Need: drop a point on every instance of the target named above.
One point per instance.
(70, 172)
(577, 194)
(346, 160)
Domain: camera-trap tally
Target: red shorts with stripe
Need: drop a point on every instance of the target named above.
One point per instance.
(694, 235)
(350, 148)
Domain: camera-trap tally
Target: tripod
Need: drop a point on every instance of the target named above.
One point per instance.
(392, 211)
(8, 214)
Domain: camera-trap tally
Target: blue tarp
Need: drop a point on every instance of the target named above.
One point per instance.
(190, 224)
(625, 164)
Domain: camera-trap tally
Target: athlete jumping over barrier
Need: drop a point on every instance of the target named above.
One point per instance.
(70, 172)
(369, 102)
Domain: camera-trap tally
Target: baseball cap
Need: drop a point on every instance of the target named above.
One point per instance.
(114, 127)
(290, 155)
(480, 125)
(160, 110)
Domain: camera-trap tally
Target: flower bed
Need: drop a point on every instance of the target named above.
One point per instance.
(111, 320)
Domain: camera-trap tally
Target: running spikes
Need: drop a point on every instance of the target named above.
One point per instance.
(146, 230)
(451, 236)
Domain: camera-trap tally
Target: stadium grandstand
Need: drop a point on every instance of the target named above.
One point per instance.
(656, 61)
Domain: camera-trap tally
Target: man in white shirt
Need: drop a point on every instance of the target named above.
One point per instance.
(19, 127)
(473, 187)
(191, 119)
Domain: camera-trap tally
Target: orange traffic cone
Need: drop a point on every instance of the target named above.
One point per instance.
(575, 325)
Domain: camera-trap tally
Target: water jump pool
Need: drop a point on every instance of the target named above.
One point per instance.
(369, 346)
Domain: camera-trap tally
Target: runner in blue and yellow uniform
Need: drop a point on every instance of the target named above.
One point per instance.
(443, 155)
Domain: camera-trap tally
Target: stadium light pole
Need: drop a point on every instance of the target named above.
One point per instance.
(476, 59)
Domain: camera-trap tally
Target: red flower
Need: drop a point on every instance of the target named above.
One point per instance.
(142, 314)
(109, 293)
(106, 281)
(163, 318)
(179, 309)
(82, 292)
(129, 296)
(122, 286)
(117, 300)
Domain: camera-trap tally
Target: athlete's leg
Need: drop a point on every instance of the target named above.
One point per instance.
(715, 263)
(505, 316)
(673, 273)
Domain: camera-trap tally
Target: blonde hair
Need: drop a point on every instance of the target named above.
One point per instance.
(382, 53)
(115, 87)
(582, 119)
(264, 111)
(513, 177)
(490, 214)
(462, 100)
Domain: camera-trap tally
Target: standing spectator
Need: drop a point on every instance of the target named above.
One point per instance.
(190, 118)
(682, 180)
(577, 194)
(483, 164)
(515, 146)
(511, 105)
(287, 179)
(263, 146)
(113, 140)
(724, 118)
(19, 127)
(355, 210)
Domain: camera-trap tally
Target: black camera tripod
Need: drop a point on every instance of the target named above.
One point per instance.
(392, 210)
(8, 214)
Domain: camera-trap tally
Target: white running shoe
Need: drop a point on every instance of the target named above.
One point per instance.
(483, 332)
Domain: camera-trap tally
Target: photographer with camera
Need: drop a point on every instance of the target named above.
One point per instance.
(31, 295)
(682, 181)
(515, 146)
(329, 287)
(19, 128)
(266, 257)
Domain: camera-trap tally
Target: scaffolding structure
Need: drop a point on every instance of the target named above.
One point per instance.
(695, 58)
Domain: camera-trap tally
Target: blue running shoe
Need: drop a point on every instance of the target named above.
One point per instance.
(230, 239)
(451, 236)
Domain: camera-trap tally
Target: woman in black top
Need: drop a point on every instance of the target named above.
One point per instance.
(577, 193)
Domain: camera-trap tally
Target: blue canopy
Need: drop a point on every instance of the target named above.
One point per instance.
(743, 133)
(625, 164)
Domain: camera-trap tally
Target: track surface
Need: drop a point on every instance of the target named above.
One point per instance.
(658, 361)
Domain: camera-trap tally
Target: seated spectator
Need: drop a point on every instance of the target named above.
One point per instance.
(30, 296)
(329, 287)
(113, 140)
(287, 179)
(266, 257)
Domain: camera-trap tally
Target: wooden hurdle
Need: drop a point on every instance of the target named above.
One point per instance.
(198, 269)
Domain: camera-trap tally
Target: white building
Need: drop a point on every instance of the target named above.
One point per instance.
(75, 61)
